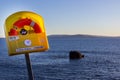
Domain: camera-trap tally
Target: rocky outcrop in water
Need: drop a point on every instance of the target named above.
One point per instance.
(75, 55)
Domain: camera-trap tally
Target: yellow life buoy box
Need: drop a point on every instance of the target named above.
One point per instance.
(25, 33)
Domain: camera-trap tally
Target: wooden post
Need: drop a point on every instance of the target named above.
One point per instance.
(29, 68)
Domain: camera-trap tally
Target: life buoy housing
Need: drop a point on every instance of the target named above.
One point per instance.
(21, 23)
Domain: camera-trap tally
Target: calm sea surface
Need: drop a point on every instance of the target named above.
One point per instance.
(101, 61)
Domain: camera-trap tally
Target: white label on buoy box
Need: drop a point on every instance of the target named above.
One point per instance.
(12, 38)
(29, 48)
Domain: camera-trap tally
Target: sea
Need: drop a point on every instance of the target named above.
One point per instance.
(101, 60)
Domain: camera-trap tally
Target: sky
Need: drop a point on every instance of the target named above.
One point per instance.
(94, 17)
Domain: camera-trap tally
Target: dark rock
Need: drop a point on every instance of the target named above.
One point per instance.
(75, 55)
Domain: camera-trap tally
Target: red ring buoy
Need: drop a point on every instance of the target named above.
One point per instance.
(22, 22)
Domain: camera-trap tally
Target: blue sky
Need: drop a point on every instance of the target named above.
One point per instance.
(95, 17)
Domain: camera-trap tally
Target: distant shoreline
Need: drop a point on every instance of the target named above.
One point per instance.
(78, 35)
(81, 35)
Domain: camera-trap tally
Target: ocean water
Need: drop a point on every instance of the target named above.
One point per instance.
(101, 61)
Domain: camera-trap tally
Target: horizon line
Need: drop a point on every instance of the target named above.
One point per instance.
(77, 34)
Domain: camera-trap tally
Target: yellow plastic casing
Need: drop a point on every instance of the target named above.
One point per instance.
(30, 42)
